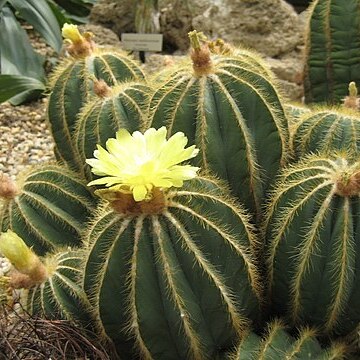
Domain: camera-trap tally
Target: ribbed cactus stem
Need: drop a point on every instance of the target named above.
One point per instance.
(200, 54)
(348, 185)
(8, 188)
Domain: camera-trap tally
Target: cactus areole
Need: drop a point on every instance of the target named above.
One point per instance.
(225, 102)
(169, 267)
(313, 231)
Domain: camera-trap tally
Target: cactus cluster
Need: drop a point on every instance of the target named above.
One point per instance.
(165, 260)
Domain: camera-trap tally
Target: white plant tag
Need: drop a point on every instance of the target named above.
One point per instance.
(142, 42)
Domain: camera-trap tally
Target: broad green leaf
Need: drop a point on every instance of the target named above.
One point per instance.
(2, 3)
(13, 85)
(17, 55)
(76, 7)
(59, 14)
(39, 14)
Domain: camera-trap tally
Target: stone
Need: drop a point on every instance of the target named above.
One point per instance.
(271, 27)
(102, 35)
(175, 23)
(288, 70)
(119, 16)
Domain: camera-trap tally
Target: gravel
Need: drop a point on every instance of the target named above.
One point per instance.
(24, 137)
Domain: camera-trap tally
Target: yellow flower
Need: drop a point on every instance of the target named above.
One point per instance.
(139, 162)
(72, 33)
(17, 252)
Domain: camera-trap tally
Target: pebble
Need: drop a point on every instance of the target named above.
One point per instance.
(24, 137)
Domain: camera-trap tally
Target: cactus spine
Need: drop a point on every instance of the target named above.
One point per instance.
(48, 208)
(123, 106)
(229, 108)
(60, 296)
(328, 129)
(325, 130)
(332, 50)
(173, 262)
(278, 344)
(313, 243)
(71, 87)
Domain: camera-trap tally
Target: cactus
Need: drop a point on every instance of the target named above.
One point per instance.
(294, 112)
(227, 105)
(71, 87)
(313, 244)
(123, 106)
(278, 344)
(47, 207)
(332, 50)
(52, 282)
(60, 296)
(325, 130)
(169, 272)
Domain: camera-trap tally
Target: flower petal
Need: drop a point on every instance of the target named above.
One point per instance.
(139, 192)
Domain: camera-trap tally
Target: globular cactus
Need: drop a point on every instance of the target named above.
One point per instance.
(294, 112)
(226, 104)
(122, 106)
(312, 234)
(332, 50)
(279, 344)
(72, 86)
(60, 295)
(170, 272)
(47, 207)
(327, 129)
(52, 282)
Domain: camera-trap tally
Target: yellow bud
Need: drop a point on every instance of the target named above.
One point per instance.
(72, 33)
(17, 252)
(352, 89)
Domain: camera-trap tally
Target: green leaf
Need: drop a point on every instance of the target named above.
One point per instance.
(2, 3)
(39, 14)
(76, 7)
(59, 14)
(12, 85)
(17, 55)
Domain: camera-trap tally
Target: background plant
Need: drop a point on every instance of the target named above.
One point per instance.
(22, 74)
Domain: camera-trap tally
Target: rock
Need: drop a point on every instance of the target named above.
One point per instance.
(271, 27)
(175, 23)
(119, 16)
(288, 70)
(102, 35)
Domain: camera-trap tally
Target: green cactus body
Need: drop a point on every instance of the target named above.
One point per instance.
(230, 109)
(178, 284)
(124, 107)
(294, 112)
(313, 244)
(332, 50)
(49, 210)
(325, 130)
(60, 296)
(278, 344)
(72, 86)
